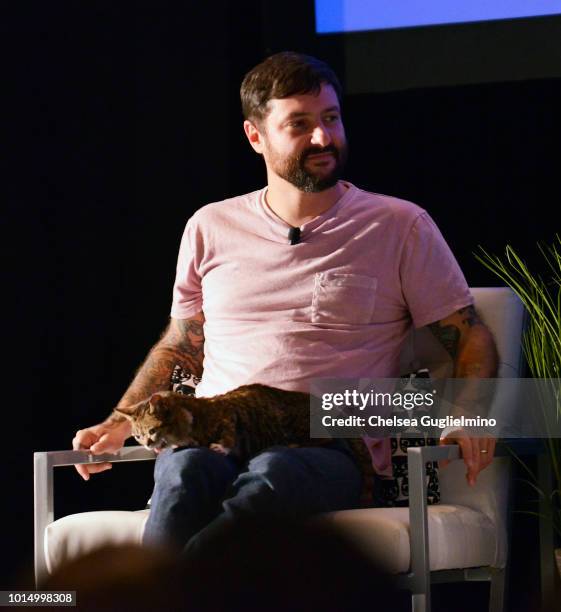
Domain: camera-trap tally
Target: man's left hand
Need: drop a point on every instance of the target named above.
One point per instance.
(477, 453)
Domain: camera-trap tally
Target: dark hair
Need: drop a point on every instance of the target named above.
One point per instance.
(280, 76)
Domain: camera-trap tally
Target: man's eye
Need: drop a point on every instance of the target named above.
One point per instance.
(332, 118)
(296, 124)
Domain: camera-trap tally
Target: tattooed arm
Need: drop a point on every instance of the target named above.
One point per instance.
(474, 354)
(181, 344)
(469, 343)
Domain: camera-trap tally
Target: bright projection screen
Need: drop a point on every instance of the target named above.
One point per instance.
(336, 16)
(392, 45)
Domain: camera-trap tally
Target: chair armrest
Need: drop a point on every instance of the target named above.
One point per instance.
(435, 453)
(417, 458)
(44, 462)
(72, 457)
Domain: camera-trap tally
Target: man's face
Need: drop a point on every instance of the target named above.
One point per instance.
(303, 140)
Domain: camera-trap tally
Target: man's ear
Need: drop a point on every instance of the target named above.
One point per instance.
(254, 136)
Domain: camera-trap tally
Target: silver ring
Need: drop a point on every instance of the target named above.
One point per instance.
(483, 451)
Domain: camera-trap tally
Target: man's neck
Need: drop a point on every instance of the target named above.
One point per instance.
(297, 207)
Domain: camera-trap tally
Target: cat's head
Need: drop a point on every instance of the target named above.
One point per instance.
(160, 421)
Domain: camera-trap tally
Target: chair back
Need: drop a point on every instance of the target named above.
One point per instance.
(503, 313)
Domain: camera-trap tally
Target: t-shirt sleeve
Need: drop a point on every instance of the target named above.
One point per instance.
(433, 284)
(187, 291)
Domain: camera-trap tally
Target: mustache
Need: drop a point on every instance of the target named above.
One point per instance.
(319, 150)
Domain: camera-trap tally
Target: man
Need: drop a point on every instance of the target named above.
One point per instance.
(309, 277)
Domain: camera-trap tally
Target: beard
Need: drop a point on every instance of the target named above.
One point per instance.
(293, 169)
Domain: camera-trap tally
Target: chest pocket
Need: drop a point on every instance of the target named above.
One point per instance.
(343, 298)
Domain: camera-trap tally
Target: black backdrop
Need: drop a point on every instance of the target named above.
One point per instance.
(125, 121)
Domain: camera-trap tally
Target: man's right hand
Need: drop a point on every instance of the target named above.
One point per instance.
(103, 438)
(181, 344)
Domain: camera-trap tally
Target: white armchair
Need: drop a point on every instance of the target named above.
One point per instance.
(464, 537)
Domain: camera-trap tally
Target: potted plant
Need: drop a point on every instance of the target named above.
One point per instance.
(541, 295)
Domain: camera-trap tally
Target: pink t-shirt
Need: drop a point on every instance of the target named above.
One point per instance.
(338, 304)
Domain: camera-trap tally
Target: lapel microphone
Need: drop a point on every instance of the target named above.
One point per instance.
(294, 235)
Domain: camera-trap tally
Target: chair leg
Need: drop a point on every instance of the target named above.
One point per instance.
(420, 602)
(498, 590)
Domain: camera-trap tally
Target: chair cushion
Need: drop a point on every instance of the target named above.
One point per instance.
(78, 534)
(459, 537)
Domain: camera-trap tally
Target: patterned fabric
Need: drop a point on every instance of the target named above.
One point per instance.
(394, 491)
(183, 382)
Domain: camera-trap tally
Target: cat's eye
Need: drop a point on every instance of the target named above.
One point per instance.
(152, 431)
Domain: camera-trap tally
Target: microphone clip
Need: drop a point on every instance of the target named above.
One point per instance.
(294, 235)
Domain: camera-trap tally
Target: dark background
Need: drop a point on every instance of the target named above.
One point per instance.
(126, 119)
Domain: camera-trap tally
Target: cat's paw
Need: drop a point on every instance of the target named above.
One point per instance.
(159, 449)
(219, 448)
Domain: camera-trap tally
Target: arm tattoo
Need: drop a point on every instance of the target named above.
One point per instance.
(455, 330)
(471, 316)
(448, 336)
(181, 344)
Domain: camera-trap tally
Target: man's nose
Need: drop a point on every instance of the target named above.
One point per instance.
(321, 136)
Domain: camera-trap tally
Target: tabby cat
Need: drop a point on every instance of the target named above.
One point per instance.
(243, 421)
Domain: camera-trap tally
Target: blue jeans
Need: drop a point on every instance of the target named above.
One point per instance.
(198, 491)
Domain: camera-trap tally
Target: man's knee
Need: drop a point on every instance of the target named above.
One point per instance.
(273, 460)
(307, 472)
(282, 470)
(181, 461)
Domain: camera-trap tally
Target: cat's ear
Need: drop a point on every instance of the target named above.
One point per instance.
(154, 403)
(127, 415)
